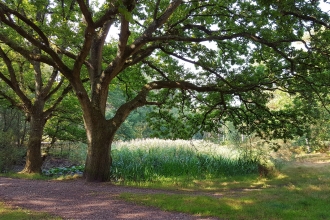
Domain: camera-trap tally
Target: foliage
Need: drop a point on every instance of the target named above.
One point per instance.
(10, 153)
(12, 136)
(12, 122)
(135, 126)
(66, 124)
(63, 171)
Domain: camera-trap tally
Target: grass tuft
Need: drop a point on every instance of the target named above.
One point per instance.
(10, 213)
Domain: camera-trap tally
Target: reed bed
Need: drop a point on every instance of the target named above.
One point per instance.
(153, 159)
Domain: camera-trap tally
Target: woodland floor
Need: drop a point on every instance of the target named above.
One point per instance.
(76, 199)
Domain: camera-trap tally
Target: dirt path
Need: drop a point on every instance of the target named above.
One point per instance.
(77, 199)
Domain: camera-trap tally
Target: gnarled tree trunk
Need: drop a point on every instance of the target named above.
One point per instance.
(99, 137)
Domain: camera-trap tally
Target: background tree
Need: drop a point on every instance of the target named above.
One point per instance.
(224, 81)
(33, 88)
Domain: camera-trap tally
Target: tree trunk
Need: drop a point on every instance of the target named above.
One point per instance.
(33, 157)
(100, 134)
(98, 161)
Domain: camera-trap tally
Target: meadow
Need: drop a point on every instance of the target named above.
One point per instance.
(207, 179)
(300, 191)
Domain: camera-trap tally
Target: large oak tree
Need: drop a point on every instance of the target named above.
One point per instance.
(250, 54)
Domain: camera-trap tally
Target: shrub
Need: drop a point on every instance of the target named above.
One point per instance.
(63, 171)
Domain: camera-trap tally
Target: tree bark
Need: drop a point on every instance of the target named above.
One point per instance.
(33, 157)
(100, 137)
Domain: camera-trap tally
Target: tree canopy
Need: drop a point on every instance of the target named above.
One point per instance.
(219, 59)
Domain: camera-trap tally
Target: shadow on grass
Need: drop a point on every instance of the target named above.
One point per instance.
(9, 213)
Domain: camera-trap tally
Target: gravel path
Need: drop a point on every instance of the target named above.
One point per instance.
(77, 199)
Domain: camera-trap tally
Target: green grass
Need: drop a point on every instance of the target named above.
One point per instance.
(36, 176)
(10, 213)
(33, 176)
(155, 162)
(302, 191)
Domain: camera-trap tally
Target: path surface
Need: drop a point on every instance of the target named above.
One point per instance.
(77, 199)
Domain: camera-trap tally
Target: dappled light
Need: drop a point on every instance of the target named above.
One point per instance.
(211, 109)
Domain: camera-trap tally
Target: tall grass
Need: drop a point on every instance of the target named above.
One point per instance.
(301, 191)
(153, 159)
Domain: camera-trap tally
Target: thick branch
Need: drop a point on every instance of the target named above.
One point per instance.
(86, 13)
(39, 44)
(156, 9)
(12, 82)
(144, 39)
(123, 38)
(4, 8)
(306, 18)
(215, 37)
(81, 58)
(141, 99)
(146, 36)
(109, 15)
(141, 55)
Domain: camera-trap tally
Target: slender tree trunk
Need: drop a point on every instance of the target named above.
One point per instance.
(33, 157)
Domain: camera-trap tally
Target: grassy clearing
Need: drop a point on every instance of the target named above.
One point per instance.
(10, 213)
(302, 191)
